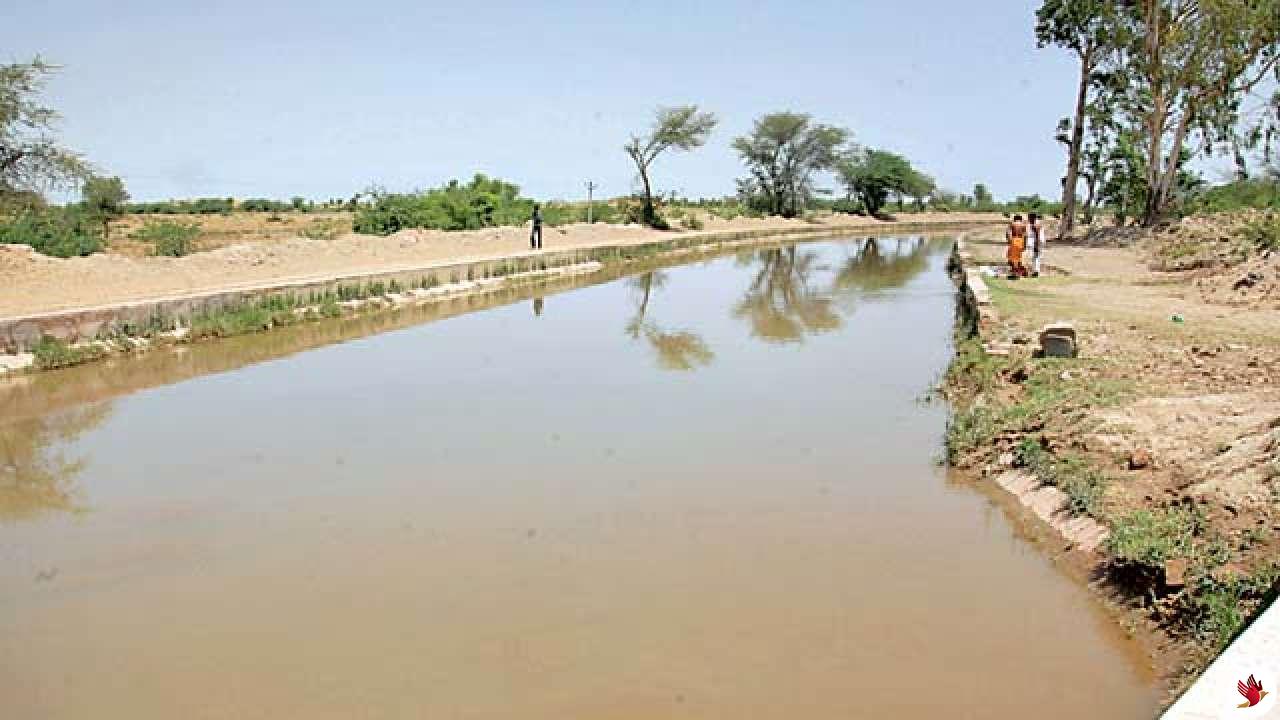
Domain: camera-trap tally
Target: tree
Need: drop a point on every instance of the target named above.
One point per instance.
(1186, 66)
(983, 200)
(1095, 165)
(105, 199)
(782, 154)
(919, 187)
(1085, 28)
(31, 161)
(682, 128)
(872, 175)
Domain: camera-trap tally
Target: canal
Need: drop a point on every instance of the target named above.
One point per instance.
(705, 491)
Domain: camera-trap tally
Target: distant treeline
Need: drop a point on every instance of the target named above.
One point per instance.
(223, 206)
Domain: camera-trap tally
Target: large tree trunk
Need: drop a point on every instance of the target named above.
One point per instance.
(1077, 144)
(648, 213)
(1156, 115)
(1092, 184)
(1166, 174)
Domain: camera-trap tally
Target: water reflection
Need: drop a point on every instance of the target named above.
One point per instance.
(782, 302)
(791, 292)
(882, 264)
(794, 293)
(676, 349)
(36, 476)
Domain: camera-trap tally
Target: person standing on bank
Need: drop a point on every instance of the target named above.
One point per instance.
(535, 236)
(1035, 239)
(1016, 236)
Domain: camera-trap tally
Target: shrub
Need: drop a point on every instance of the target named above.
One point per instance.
(849, 207)
(483, 202)
(1263, 233)
(1240, 195)
(61, 232)
(168, 238)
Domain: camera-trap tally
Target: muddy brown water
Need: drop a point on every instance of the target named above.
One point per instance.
(707, 491)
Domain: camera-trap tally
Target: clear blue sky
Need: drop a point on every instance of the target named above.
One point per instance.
(322, 99)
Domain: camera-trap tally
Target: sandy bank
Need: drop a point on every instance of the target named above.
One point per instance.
(32, 283)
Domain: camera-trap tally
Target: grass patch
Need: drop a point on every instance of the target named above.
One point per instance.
(246, 318)
(51, 353)
(1043, 399)
(1218, 609)
(1144, 540)
(325, 229)
(1071, 473)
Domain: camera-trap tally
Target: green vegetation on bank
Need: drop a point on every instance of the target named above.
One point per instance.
(51, 353)
(60, 232)
(168, 238)
(482, 203)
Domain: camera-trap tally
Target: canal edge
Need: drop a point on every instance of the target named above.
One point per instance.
(979, 317)
(85, 334)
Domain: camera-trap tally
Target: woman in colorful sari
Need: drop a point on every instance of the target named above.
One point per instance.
(1016, 235)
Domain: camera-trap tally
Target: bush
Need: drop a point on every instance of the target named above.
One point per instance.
(60, 232)
(1263, 233)
(484, 202)
(1239, 195)
(848, 207)
(168, 238)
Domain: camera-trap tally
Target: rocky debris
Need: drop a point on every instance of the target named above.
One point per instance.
(1248, 281)
(1059, 340)
(1139, 459)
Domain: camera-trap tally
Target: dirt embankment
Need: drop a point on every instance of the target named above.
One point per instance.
(1165, 429)
(35, 283)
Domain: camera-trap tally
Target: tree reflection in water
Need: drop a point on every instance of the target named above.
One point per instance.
(882, 264)
(36, 477)
(676, 350)
(783, 303)
(790, 295)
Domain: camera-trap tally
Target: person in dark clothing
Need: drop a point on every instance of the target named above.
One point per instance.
(535, 237)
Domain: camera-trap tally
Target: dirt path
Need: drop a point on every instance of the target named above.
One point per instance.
(32, 283)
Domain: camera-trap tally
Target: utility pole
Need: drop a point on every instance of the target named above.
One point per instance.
(590, 188)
